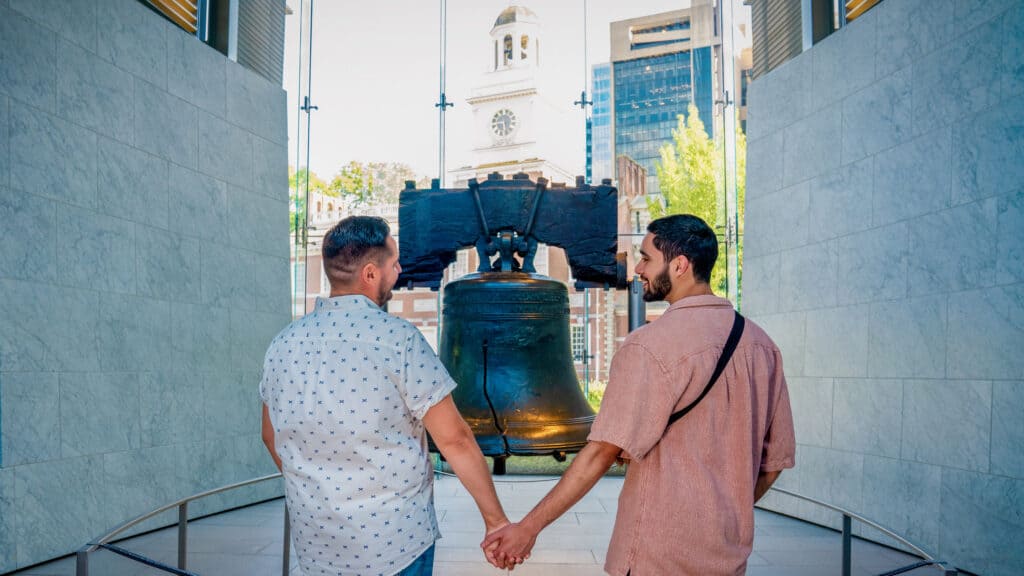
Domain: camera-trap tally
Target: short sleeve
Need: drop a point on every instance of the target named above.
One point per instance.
(779, 449)
(425, 381)
(637, 403)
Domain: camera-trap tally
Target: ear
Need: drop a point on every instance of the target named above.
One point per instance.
(369, 273)
(680, 264)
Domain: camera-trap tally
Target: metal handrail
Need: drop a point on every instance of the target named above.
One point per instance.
(848, 535)
(82, 554)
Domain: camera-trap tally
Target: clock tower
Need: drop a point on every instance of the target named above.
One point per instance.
(512, 123)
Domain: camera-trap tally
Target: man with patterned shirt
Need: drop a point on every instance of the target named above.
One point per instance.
(687, 504)
(348, 391)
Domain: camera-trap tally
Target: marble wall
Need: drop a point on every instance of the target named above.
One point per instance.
(885, 256)
(143, 269)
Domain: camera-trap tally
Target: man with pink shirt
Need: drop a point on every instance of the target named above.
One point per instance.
(687, 503)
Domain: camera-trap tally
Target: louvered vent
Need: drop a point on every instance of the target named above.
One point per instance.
(261, 37)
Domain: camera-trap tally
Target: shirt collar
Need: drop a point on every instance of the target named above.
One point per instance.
(347, 301)
(704, 300)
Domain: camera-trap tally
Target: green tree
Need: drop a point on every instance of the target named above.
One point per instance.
(297, 194)
(691, 176)
(354, 180)
(372, 182)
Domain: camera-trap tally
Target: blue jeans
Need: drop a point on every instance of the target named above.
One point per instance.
(422, 566)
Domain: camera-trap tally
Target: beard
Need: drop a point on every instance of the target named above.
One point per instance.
(657, 288)
(385, 295)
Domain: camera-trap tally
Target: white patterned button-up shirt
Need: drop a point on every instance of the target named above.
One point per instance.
(347, 387)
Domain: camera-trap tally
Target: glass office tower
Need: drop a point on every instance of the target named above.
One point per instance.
(599, 135)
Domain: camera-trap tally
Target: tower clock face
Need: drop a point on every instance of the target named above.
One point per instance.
(503, 123)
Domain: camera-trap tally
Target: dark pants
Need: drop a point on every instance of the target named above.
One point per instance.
(422, 566)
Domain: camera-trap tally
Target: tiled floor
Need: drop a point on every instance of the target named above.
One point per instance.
(248, 542)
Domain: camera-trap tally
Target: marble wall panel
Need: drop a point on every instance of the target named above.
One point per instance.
(134, 40)
(787, 331)
(783, 218)
(231, 403)
(71, 20)
(28, 61)
(986, 152)
(199, 204)
(8, 522)
(29, 417)
(764, 169)
(99, 412)
(981, 522)
(908, 338)
(978, 12)
(1008, 428)
(228, 275)
(914, 178)
(96, 251)
(270, 166)
(171, 407)
(27, 236)
(1012, 66)
(876, 118)
(168, 265)
(132, 184)
(812, 145)
(196, 72)
(200, 337)
(93, 93)
(257, 104)
(225, 151)
(52, 157)
(872, 265)
(43, 327)
(5, 141)
(761, 284)
(1009, 240)
(840, 202)
(134, 333)
(830, 476)
(255, 222)
(948, 423)
(837, 342)
(911, 30)
(47, 531)
(867, 416)
(986, 328)
(904, 497)
(780, 98)
(138, 481)
(165, 125)
(953, 250)
(251, 333)
(808, 277)
(272, 288)
(959, 79)
(844, 62)
(811, 401)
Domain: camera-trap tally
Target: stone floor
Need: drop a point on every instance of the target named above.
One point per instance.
(248, 541)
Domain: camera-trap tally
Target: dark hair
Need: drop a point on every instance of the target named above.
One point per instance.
(689, 236)
(351, 243)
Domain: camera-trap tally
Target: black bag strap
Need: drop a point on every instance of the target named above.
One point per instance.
(730, 347)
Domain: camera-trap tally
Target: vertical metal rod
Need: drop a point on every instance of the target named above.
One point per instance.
(298, 163)
(183, 535)
(286, 553)
(586, 341)
(731, 204)
(309, 119)
(443, 103)
(82, 563)
(847, 544)
(637, 306)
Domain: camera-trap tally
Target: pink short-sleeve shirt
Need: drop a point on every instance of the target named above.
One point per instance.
(687, 505)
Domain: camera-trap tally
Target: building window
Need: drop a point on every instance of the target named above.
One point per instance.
(579, 343)
(508, 49)
(524, 44)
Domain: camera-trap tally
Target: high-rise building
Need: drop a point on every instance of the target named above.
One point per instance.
(660, 64)
(599, 126)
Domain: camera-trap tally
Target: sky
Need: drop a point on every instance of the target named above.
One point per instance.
(376, 74)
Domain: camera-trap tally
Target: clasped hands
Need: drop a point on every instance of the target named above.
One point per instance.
(508, 546)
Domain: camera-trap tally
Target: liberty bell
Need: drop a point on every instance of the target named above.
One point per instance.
(505, 329)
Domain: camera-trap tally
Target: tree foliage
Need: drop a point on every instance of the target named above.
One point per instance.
(372, 182)
(691, 175)
(297, 194)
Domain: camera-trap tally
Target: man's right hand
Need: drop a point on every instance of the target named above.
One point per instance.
(509, 546)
